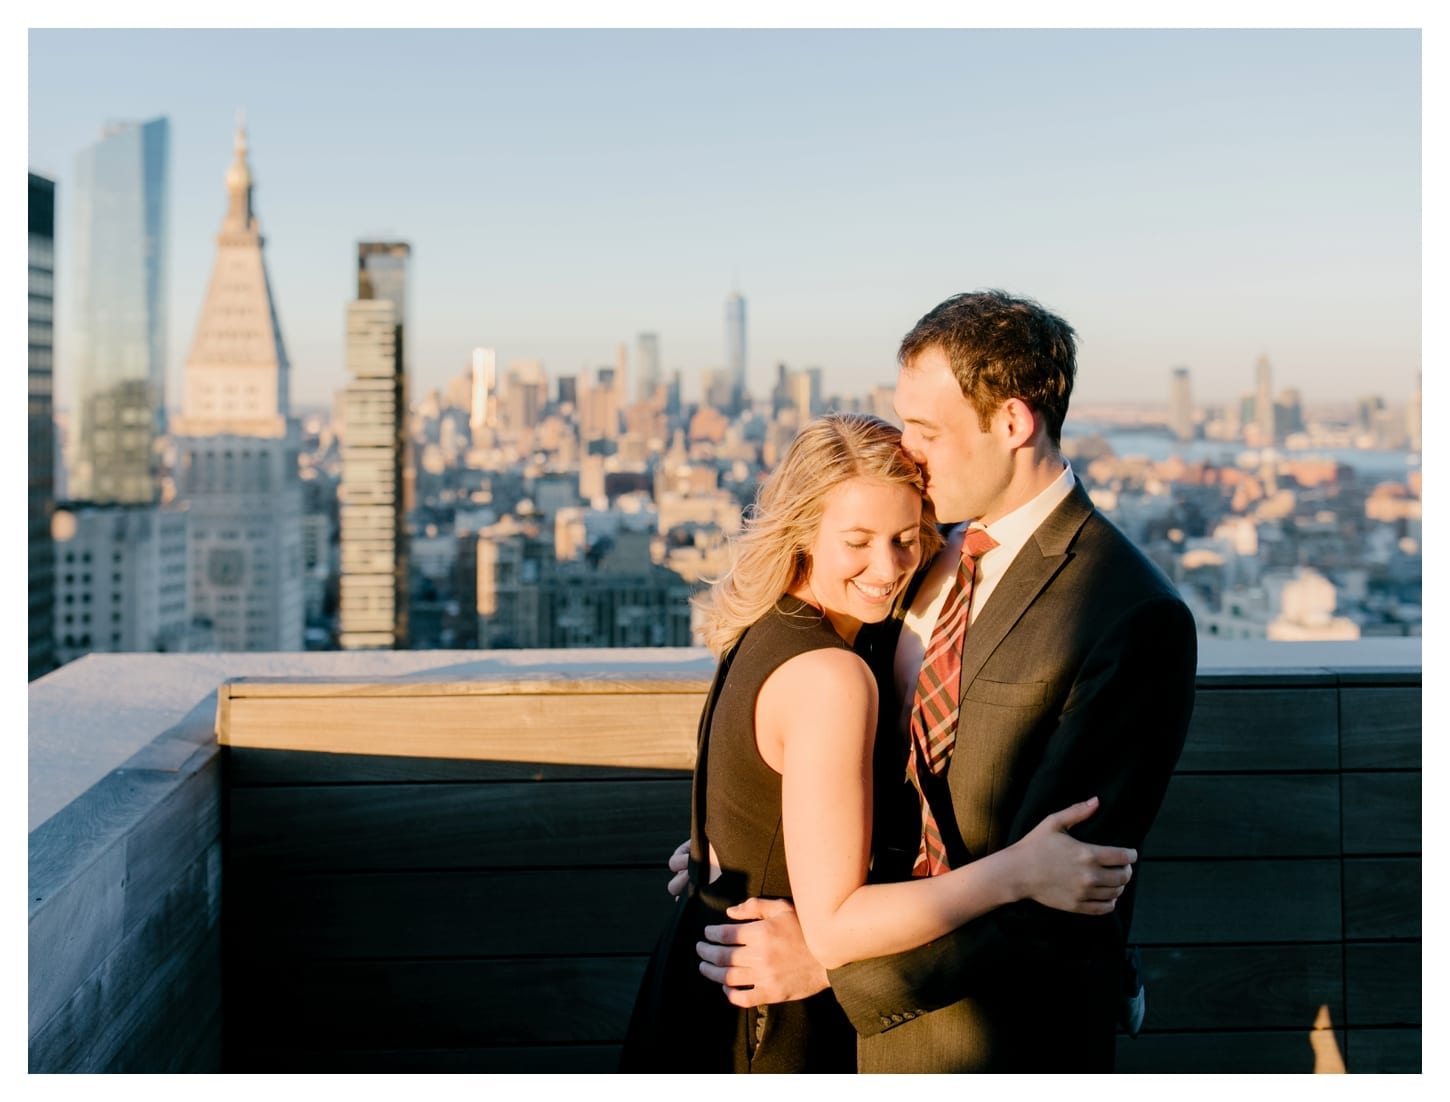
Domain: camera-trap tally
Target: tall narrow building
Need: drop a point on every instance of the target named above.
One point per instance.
(237, 445)
(373, 592)
(647, 353)
(483, 393)
(1180, 405)
(119, 328)
(1264, 401)
(621, 375)
(40, 408)
(735, 351)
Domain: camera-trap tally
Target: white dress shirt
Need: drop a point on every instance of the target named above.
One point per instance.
(1011, 533)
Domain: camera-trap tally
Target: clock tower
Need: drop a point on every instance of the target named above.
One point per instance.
(237, 445)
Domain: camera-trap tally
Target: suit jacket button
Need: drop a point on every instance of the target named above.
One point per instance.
(885, 1020)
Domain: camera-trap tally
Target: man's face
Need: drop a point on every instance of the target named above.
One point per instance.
(967, 470)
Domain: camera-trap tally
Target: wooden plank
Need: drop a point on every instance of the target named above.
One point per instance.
(446, 914)
(91, 825)
(1382, 897)
(1242, 987)
(1249, 815)
(1385, 1051)
(1250, 1052)
(1260, 677)
(619, 729)
(181, 1018)
(1380, 728)
(1244, 730)
(429, 684)
(74, 836)
(249, 767)
(1403, 676)
(184, 823)
(551, 1059)
(73, 930)
(1205, 902)
(205, 1057)
(223, 712)
(434, 1004)
(101, 863)
(1382, 984)
(1382, 813)
(173, 748)
(500, 825)
(112, 1018)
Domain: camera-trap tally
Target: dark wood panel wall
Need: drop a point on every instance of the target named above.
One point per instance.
(415, 898)
(1280, 887)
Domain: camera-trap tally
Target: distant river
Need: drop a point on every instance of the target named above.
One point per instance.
(1159, 445)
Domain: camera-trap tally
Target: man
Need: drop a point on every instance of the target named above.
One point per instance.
(1062, 668)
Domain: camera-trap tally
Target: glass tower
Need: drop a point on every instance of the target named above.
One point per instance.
(42, 424)
(120, 313)
(649, 366)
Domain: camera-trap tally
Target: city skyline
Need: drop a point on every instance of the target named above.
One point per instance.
(1176, 215)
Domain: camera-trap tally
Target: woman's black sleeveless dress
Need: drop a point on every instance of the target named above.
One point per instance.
(681, 1020)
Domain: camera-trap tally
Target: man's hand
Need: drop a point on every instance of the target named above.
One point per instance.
(680, 865)
(762, 958)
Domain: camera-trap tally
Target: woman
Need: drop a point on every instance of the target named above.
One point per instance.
(782, 791)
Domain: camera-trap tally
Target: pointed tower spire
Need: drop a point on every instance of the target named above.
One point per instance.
(239, 186)
(237, 375)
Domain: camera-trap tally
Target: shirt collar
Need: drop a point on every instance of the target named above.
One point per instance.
(1015, 529)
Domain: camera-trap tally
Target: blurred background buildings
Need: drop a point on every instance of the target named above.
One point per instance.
(510, 501)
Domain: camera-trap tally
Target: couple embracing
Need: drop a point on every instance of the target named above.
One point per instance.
(903, 728)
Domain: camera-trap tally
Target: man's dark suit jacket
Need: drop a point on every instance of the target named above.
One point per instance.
(1077, 681)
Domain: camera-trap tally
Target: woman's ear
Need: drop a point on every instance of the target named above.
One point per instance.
(802, 567)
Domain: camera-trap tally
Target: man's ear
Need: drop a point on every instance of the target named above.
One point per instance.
(1018, 420)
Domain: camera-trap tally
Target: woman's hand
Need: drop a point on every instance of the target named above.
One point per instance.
(1060, 872)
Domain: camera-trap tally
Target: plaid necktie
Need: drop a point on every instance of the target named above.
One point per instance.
(934, 711)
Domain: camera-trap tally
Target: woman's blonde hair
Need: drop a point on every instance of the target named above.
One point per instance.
(772, 552)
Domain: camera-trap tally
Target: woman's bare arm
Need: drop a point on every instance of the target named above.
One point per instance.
(815, 718)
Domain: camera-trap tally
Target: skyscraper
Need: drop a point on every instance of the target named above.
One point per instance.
(237, 445)
(804, 391)
(1180, 405)
(621, 375)
(599, 409)
(647, 351)
(483, 395)
(373, 592)
(1264, 401)
(735, 349)
(119, 331)
(382, 273)
(1288, 413)
(41, 412)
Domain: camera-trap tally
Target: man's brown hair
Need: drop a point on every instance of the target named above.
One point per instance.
(1000, 347)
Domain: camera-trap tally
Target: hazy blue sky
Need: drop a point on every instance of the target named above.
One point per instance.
(1182, 197)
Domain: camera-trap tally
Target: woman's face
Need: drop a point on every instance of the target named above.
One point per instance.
(864, 553)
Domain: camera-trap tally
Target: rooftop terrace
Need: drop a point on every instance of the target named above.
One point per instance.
(453, 860)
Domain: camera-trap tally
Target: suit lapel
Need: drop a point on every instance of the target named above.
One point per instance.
(1035, 565)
